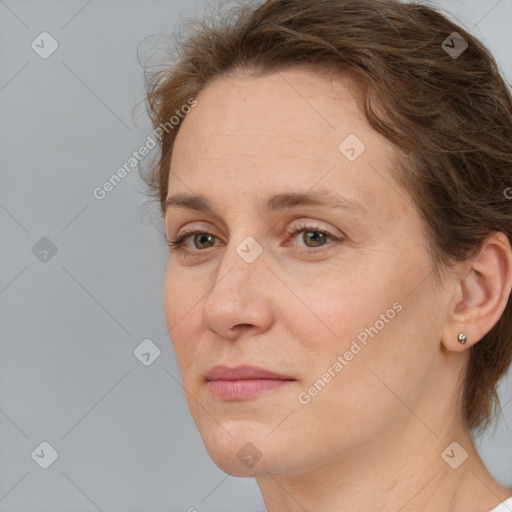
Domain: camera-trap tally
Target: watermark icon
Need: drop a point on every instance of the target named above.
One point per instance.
(304, 397)
(249, 249)
(44, 250)
(351, 147)
(44, 45)
(45, 455)
(454, 455)
(146, 352)
(249, 455)
(454, 45)
(101, 192)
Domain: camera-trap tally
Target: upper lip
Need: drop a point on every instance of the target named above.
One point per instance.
(221, 372)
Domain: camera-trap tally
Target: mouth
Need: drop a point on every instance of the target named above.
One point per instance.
(243, 382)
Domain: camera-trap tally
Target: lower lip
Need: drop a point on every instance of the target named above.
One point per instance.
(243, 389)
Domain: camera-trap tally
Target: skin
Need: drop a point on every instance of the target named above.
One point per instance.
(372, 438)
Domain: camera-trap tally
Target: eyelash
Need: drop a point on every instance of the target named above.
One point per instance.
(178, 243)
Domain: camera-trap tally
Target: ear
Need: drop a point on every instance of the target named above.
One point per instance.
(483, 288)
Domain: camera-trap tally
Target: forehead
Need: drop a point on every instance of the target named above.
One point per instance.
(276, 132)
(291, 106)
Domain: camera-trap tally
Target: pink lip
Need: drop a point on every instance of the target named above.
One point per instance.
(242, 372)
(242, 382)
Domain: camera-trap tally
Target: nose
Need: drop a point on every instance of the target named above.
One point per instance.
(241, 297)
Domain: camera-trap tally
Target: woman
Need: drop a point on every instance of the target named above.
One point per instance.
(337, 295)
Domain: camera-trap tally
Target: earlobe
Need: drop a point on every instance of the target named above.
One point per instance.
(482, 294)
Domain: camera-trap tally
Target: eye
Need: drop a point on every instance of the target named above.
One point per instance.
(312, 235)
(178, 244)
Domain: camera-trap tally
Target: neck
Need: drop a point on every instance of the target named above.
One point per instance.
(392, 475)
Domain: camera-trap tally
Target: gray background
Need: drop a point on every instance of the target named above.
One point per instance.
(70, 324)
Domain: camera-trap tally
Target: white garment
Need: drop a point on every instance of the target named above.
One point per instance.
(506, 506)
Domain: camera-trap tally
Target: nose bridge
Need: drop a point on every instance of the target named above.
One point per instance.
(242, 263)
(236, 297)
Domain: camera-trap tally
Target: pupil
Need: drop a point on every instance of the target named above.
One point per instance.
(201, 237)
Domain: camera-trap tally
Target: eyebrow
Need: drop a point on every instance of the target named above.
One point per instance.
(276, 202)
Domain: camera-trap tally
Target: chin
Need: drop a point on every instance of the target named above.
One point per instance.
(246, 452)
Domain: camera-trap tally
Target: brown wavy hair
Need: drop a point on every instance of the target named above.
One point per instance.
(450, 118)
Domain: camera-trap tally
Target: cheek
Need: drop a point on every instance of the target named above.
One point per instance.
(355, 397)
(372, 320)
(181, 302)
(371, 295)
(386, 340)
(183, 293)
(173, 294)
(339, 306)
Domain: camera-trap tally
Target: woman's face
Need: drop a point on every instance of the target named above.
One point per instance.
(345, 308)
